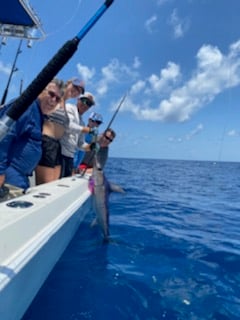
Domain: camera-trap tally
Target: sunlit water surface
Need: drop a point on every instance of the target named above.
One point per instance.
(174, 254)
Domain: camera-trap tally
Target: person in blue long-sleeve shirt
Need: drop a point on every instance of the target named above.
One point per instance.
(21, 148)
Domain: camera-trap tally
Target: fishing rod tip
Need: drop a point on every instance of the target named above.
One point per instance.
(108, 3)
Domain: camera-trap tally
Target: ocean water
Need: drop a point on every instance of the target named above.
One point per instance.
(174, 254)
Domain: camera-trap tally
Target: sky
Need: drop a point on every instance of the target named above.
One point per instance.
(177, 62)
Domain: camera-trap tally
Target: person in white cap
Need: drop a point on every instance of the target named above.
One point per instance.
(94, 120)
(73, 88)
(73, 137)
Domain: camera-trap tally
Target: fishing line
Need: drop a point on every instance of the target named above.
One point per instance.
(222, 138)
(51, 34)
(66, 23)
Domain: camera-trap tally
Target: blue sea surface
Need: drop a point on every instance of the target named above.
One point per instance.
(174, 253)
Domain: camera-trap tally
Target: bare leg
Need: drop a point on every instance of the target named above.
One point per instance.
(47, 174)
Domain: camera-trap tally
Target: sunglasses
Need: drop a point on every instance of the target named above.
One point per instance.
(96, 121)
(86, 101)
(109, 139)
(54, 95)
(79, 89)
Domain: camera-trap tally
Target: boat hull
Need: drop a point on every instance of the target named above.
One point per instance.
(32, 239)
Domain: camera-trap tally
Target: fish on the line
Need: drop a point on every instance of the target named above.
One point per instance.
(100, 188)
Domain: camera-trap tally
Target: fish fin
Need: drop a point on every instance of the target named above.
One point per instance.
(115, 188)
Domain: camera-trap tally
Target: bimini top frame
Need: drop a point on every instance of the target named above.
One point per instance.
(18, 19)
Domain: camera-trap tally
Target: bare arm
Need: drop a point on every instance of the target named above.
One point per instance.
(2, 179)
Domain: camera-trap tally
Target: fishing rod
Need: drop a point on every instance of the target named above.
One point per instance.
(64, 54)
(108, 126)
(116, 111)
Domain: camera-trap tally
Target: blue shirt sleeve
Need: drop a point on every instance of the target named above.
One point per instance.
(21, 147)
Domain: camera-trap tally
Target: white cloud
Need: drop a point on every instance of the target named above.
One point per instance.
(194, 132)
(114, 72)
(214, 73)
(164, 96)
(86, 73)
(136, 63)
(180, 26)
(102, 88)
(109, 72)
(149, 24)
(175, 139)
(5, 69)
(233, 133)
(168, 75)
(131, 106)
(188, 136)
(138, 87)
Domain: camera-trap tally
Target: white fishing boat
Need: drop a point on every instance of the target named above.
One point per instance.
(35, 229)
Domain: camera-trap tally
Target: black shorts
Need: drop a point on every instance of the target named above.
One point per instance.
(51, 152)
(67, 166)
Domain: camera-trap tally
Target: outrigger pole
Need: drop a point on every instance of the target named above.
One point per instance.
(21, 104)
(4, 97)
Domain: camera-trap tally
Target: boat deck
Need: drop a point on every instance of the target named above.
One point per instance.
(35, 229)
